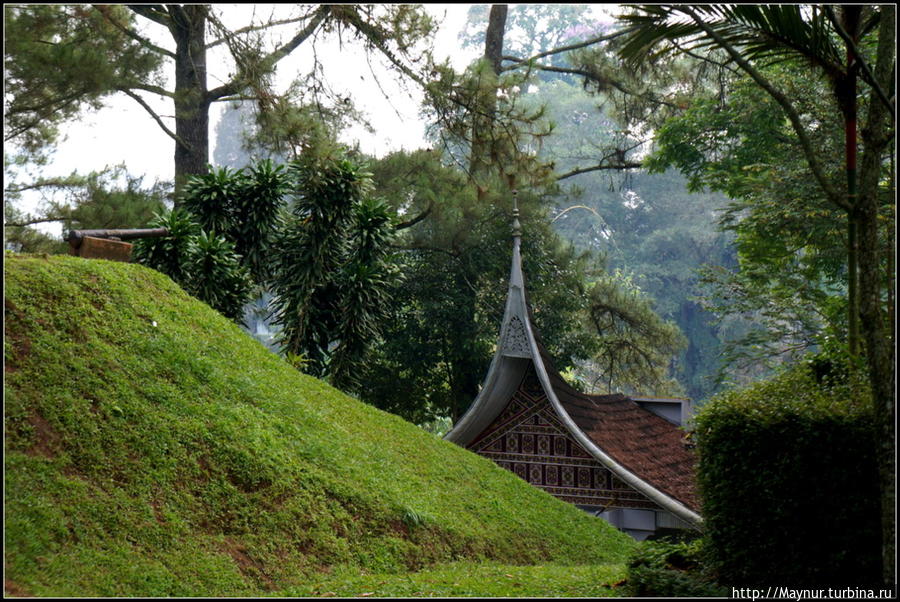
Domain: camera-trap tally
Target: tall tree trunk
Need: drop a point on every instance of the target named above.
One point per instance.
(852, 225)
(493, 38)
(876, 137)
(845, 92)
(191, 103)
(483, 120)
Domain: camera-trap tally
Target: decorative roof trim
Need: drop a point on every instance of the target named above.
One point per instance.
(664, 500)
(509, 349)
(517, 308)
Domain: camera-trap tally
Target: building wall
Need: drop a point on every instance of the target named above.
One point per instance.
(528, 439)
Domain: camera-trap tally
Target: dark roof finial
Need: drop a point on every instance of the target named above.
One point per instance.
(517, 227)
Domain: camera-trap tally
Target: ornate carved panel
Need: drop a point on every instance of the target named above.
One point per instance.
(516, 342)
(528, 439)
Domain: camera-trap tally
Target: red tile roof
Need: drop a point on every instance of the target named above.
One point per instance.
(646, 444)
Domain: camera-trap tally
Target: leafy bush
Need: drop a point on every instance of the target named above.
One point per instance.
(168, 254)
(243, 206)
(331, 268)
(789, 481)
(205, 265)
(670, 568)
(327, 262)
(217, 277)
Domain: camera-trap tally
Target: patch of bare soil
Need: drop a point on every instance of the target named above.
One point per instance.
(247, 565)
(11, 588)
(46, 439)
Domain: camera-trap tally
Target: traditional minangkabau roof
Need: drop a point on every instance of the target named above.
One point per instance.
(641, 448)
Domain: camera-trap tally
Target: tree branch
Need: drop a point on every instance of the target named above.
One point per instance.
(62, 182)
(178, 14)
(377, 39)
(238, 83)
(601, 166)
(152, 89)
(154, 12)
(412, 222)
(576, 46)
(104, 10)
(702, 58)
(251, 28)
(596, 78)
(55, 104)
(235, 98)
(806, 144)
(613, 160)
(41, 220)
(156, 117)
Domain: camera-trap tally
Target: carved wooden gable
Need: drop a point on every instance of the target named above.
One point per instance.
(528, 439)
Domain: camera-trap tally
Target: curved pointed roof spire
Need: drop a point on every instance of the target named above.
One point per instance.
(515, 275)
(518, 349)
(517, 226)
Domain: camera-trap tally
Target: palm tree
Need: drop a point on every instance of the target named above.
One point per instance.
(832, 42)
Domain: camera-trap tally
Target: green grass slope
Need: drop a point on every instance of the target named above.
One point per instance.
(153, 449)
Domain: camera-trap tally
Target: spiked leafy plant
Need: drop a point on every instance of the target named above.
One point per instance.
(218, 276)
(203, 263)
(243, 206)
(331, 268)
(169, 254)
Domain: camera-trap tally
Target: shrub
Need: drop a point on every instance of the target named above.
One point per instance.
(789, 482)
(218, 278)
(204, 265)
(666, 568)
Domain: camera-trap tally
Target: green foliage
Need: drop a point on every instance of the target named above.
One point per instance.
(210, 199)
(326, 262)
(152, 449)
(767, 33)
(169, 254)
(790, 239)
(217, 276)
(789, 481)
(330, 266)
(669, 569)
(481, 119)
(634, 343)
(24, 239)
(647, 225)
(243, 206)
(534, 28)
(203, 263)
(442, 324)
(106, 205)
(60, 60)
(106, 199)
(220, 237)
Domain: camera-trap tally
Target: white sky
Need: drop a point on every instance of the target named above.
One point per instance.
(123, 132)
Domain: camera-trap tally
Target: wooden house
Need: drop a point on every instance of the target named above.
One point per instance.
(622, 458)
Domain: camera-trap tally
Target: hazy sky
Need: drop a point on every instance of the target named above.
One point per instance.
(123, 131)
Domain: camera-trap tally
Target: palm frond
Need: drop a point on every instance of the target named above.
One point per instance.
(761, 32)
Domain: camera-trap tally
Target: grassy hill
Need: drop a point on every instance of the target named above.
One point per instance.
(153, 449)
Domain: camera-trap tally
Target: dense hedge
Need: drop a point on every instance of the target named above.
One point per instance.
(789, 483)
(671, 569)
